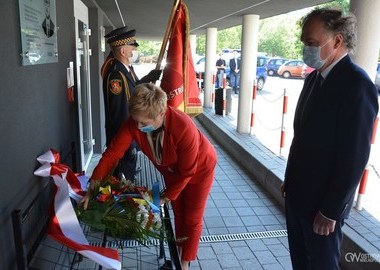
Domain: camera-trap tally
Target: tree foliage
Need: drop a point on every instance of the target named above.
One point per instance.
(149, 48)
(278, 35)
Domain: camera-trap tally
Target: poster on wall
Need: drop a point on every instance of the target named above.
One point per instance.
(38, 28)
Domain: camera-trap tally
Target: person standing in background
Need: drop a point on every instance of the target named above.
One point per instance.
(333, 127)
(220, 66)
(235, 63)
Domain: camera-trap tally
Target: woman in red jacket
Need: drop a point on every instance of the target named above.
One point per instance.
(183, 155)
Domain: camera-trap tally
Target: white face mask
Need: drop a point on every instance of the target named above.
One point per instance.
(312, 56)
(134, 57)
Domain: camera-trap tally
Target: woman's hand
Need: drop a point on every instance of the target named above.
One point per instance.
(164, 200)
(86, 198)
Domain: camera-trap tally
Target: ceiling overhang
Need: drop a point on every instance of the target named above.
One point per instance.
(150, 17)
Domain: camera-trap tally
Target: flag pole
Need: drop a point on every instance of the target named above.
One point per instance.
(167, 34)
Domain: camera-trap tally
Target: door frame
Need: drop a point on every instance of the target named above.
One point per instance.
(81, 14)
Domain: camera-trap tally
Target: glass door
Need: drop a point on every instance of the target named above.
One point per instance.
(83, 83)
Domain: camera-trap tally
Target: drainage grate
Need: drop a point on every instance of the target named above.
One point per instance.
(204, 239)
(243, 236)
(128, 243)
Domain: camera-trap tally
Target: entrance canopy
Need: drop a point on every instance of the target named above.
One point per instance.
(150, 17)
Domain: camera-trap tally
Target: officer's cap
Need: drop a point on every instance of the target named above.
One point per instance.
(121, 37)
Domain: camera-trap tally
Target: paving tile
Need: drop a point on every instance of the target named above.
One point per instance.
(268, 220)
(256, 228)
(217, 230)
(230, 190)
(232, 221)
(218, 196)
(249, 194)
(211, 212)
(206, 253)
(217, 189)
(237, 230)
(271, 241)
(275, 227)
(222, 203)
(251, 220)
(243, 253)
(278, 250)
(228, 212)
(239, 203)
(256, 245)
(251, 264)
(210, 203)
(209, 264)
(285, 262)
(262, 210)
(244, 211)
(221, 248)
(214, 222)
(265, 257)
(273, 266)
(228, 261)
(255, 203)
(238, 244)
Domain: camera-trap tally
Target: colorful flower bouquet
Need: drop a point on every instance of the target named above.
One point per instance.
(123, 210)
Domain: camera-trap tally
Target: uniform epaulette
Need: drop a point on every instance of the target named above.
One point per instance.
(105, 67)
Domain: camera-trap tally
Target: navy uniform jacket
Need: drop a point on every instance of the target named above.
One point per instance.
(118, 86)
(331, 143)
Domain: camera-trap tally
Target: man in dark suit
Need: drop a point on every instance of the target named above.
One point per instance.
(119, 81)
(331, 145)
(235, 71)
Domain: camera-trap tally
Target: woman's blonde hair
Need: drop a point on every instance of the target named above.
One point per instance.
(148, 100)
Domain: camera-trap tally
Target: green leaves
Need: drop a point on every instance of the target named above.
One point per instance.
(117, 207)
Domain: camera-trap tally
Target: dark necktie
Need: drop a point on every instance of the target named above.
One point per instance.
(316, 86)
(134, 76)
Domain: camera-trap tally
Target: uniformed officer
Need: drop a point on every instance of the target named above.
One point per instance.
(119, 81)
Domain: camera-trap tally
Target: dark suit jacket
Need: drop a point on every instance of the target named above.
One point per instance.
(233, 64)
(331, 143)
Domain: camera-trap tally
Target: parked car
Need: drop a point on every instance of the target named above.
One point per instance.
(291, 68)
(261, 70)
(199, 65)
(273, 65)
(377, 78)
(306, 70)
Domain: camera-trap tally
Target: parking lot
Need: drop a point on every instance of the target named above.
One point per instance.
(267, 128)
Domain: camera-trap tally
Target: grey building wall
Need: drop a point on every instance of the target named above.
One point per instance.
(35, 116)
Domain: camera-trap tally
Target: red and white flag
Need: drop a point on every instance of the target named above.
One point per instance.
(178, 79)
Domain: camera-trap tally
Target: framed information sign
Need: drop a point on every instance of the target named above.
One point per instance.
(38, 28)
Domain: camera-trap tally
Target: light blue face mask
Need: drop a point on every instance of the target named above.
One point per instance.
(147, 129)
(312, 56)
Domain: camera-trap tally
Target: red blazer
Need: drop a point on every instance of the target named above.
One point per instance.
(187, 155)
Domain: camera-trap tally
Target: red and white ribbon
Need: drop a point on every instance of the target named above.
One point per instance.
(64, 226)
(52, 158)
